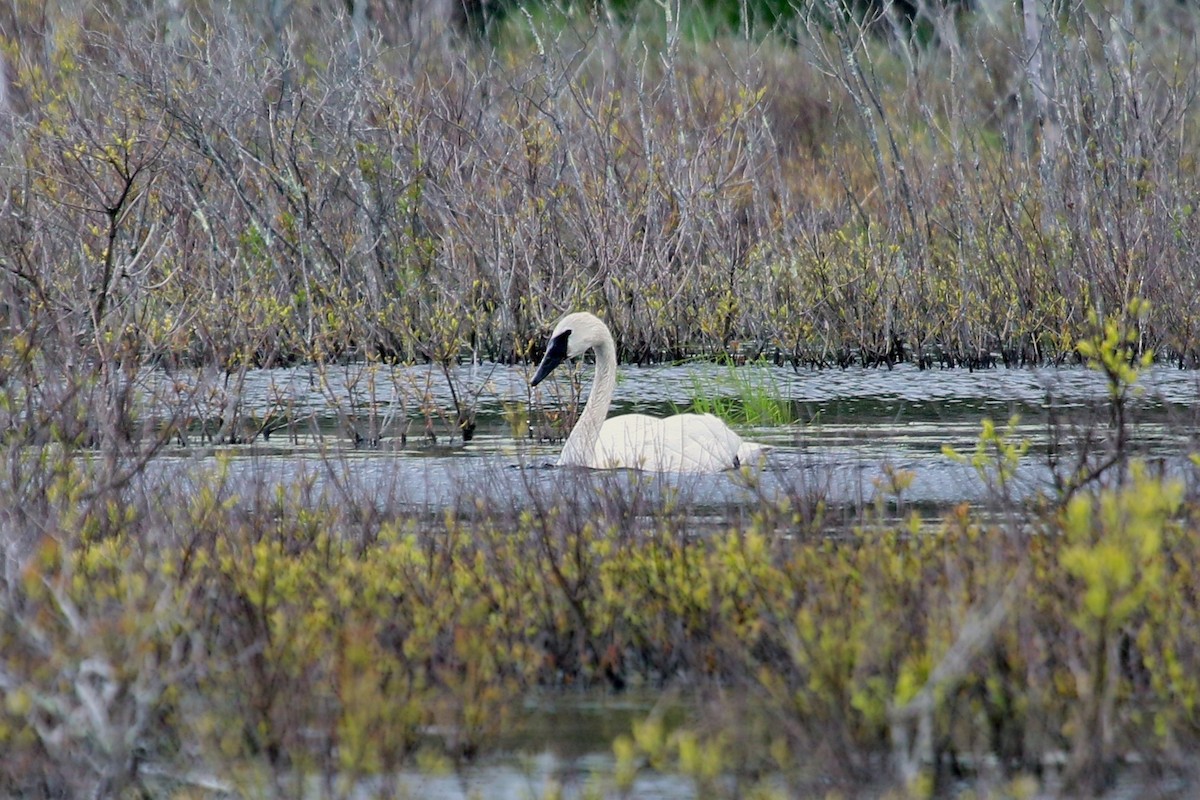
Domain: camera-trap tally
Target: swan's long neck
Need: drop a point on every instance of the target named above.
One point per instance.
(580, 447)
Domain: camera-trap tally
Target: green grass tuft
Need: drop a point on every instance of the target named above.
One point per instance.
(745, 395)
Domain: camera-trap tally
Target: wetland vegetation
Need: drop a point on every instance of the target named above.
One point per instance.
(392, 211)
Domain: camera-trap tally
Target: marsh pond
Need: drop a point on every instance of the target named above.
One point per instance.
(839, 432)
(389, 439)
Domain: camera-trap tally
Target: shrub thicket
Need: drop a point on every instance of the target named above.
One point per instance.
(189, 193)
(199, 190)
(218, 634)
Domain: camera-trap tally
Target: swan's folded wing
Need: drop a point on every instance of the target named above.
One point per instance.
(710, 445)
(681, 443)
(636, 441)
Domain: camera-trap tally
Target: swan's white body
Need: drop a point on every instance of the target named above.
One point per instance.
(679, 443)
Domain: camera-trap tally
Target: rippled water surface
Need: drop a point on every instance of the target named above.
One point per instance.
(848, 427)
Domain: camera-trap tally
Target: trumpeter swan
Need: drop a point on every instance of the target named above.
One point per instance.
(679, 443)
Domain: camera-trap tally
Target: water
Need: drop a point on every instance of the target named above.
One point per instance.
(850, 428)
(554, 748)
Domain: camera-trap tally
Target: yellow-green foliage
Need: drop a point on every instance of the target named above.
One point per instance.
(271, 632)
(997, 455)
(1114, 549)
(1114, 554)
(1114, 349)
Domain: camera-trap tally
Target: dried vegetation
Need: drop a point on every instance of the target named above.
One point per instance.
(191, 195)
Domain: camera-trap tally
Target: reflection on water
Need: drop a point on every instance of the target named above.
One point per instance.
(523, 778)
(560, 748)
(851, 425)
(904, 384)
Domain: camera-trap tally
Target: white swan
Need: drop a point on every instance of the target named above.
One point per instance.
(679, 443)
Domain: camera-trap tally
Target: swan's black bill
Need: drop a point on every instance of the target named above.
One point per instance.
(556, 353)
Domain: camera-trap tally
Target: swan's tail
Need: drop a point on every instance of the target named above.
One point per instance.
(749, 454)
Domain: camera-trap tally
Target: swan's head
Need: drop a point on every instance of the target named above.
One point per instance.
(572, 336)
